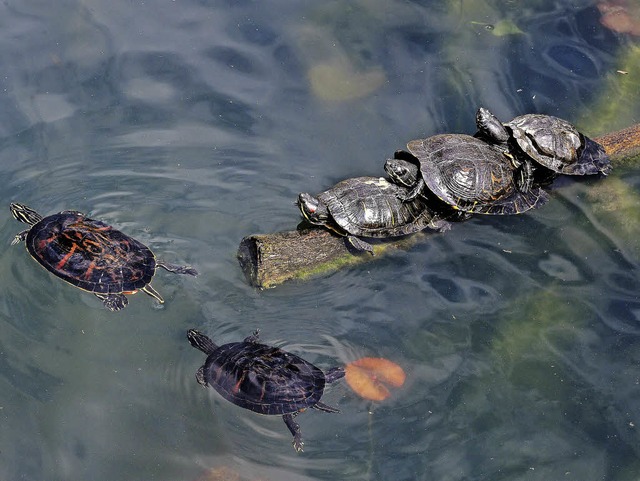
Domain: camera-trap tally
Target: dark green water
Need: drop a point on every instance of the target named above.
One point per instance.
(191, 124)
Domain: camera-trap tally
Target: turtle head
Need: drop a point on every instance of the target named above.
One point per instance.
(313, 209)
(201, 342)
(25, 214)
(490, 128)
(402, 172)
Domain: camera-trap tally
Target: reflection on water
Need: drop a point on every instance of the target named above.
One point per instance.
(189, 125)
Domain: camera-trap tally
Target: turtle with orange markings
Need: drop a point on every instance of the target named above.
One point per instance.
(91, 255)
(264, 379)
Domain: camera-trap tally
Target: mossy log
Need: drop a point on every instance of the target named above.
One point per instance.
(271, 259)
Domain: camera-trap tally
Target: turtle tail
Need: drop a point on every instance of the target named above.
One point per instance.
(25, 214)
(201, 342)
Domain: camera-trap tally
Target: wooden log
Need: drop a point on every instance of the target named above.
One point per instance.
(271, 259)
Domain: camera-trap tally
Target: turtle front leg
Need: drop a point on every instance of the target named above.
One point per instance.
(202, 380)
(20, 237)
(177, 269)
(113, 302)
(294, 427)
(255, 337)
(413, 193)
(525, 176)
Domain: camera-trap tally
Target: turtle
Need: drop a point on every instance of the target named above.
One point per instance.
(369, 207)
(264, 379)
(492, 131)
(91, 255)
(471, 174)
(557, 145)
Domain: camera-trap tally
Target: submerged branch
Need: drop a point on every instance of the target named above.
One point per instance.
(271, 259)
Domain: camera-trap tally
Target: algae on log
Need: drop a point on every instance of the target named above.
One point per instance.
(271, 259)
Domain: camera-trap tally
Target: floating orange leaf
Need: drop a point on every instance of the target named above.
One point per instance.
(620, 17)
(369, 377)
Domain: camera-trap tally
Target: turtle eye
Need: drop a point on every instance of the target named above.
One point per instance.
(311, 209)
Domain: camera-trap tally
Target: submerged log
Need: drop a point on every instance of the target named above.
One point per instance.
(271, 259)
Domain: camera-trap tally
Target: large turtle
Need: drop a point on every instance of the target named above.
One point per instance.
(91, 255)
(553, 143)
(369, 207)
(264, 379)
(474, 175)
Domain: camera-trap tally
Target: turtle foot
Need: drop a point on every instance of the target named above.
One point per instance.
(188, 270)
(360, 245)
(298, 444)
(20, 237)
(294, 427)
(113, 302)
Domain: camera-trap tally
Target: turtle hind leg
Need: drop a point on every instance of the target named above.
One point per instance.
(153, 293)
(325, 408)
(177, 269)
(360, 245)
(113, 302)
(294, 427)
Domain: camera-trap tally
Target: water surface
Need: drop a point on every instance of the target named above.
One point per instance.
(192, 124)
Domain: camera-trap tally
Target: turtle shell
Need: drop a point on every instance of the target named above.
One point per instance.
(264, 379)
(90, 254)
(557, 145)
(473, 176)
(373, 207)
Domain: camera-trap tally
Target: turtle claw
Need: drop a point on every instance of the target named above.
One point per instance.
(201, 378)
(294, 427)
(20, 237)
(255, 337)
(298, 444)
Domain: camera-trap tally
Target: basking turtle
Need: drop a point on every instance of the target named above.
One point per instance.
(264, 379)
(557, 145)
(368, 207)
(492, 131)
(91, 255)
(470, 174)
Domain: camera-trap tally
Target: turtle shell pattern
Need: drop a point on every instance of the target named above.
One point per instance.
(472, 176)
(372, 207)
(264, 379)
(90, 254)
(557, 145)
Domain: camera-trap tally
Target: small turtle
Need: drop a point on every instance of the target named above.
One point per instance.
(368, 207)
(91, 255)
(557, 145)
(264, 379)
(492, 131)
(470, 174)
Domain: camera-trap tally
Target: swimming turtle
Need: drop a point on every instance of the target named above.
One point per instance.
(264, 379)
(91, 255)
(368, 207)
(475, 175)
(557, 145)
